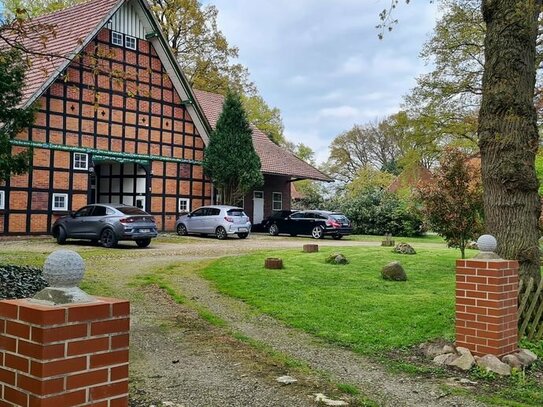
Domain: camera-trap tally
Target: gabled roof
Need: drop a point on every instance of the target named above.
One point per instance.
(275, 160)
(74, 27)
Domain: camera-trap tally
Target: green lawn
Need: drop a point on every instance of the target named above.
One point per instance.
(350, 305)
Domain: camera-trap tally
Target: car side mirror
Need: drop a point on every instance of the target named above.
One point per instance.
(189, 215)
(72, 214)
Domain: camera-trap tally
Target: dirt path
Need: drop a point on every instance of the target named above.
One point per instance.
(179, 359)
(344, 365)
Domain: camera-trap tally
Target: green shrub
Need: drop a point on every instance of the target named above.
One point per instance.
(20, 281)
(377, 212)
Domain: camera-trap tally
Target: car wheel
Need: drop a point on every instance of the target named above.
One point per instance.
(182, 230)
(243, 235)
(337, 237)
(108, 238)
(61, 235)
(274, 230)
(143, 242)
(221, 234)
(317, 232)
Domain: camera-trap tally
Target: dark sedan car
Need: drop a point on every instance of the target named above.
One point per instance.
(276, 216)
(315, 223)
(107, 223)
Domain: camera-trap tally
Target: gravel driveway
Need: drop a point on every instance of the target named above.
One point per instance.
(180, 359)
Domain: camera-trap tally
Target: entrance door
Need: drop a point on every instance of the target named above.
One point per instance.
(258, 207)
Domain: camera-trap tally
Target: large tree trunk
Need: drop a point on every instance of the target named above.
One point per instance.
(508, 134)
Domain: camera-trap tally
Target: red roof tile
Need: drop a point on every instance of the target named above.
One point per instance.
(71, 28)
(274, 159)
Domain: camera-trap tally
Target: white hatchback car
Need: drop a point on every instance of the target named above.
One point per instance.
(220, 220)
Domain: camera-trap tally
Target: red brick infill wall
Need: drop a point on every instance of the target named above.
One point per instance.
(64, 355)
(486, 306)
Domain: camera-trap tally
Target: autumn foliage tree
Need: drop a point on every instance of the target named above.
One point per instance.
(230, 159)
(453, 201)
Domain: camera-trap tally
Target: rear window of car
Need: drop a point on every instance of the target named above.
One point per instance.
(131, 210)
(236, 212)
(339, 217)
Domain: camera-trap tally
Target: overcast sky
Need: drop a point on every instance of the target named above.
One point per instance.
(321, 63)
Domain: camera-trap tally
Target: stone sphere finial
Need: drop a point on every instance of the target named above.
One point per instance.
(487, 245)
(64, 268)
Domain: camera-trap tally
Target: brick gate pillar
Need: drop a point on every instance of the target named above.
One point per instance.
(487, 303)
(64, 354)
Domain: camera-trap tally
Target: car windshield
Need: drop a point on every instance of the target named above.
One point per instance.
(131, 210)
(236, 212)
(339, 217)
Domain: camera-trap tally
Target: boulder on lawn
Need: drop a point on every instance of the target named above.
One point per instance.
(404, 248)
(526, 357)
(512, 361)
(432, 349)
(493, 364)
(336, 258)
(465, 361)
(394, 272)
(445, 358)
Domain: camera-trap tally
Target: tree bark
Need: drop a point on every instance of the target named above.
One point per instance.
(508, 134)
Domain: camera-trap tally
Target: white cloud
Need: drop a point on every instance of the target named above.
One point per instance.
(342, 112)
(322, 64)
(352, 66)
(298, 80)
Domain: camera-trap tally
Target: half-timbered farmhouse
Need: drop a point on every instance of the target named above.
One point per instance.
(118, 122)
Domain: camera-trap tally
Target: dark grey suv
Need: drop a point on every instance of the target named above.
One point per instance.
(107, 223)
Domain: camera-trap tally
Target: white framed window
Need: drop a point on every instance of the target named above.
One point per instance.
(2, 200)
(277, 201)
(130, 42)
(184, 205)
(59, 202)
(117, 38)
(81, 161)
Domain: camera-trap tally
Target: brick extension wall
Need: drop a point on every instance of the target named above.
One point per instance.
(64, 355)
(486, 306)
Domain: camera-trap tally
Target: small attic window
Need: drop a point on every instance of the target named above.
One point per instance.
(116, 38)
(130, 42)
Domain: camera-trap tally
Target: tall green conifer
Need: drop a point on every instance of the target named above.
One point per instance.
(230, 158)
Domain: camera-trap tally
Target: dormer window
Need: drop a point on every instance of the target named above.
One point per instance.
(117, 38)
(130, 42)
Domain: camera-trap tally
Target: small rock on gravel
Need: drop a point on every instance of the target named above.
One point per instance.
(321, 398)
(286, 379)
